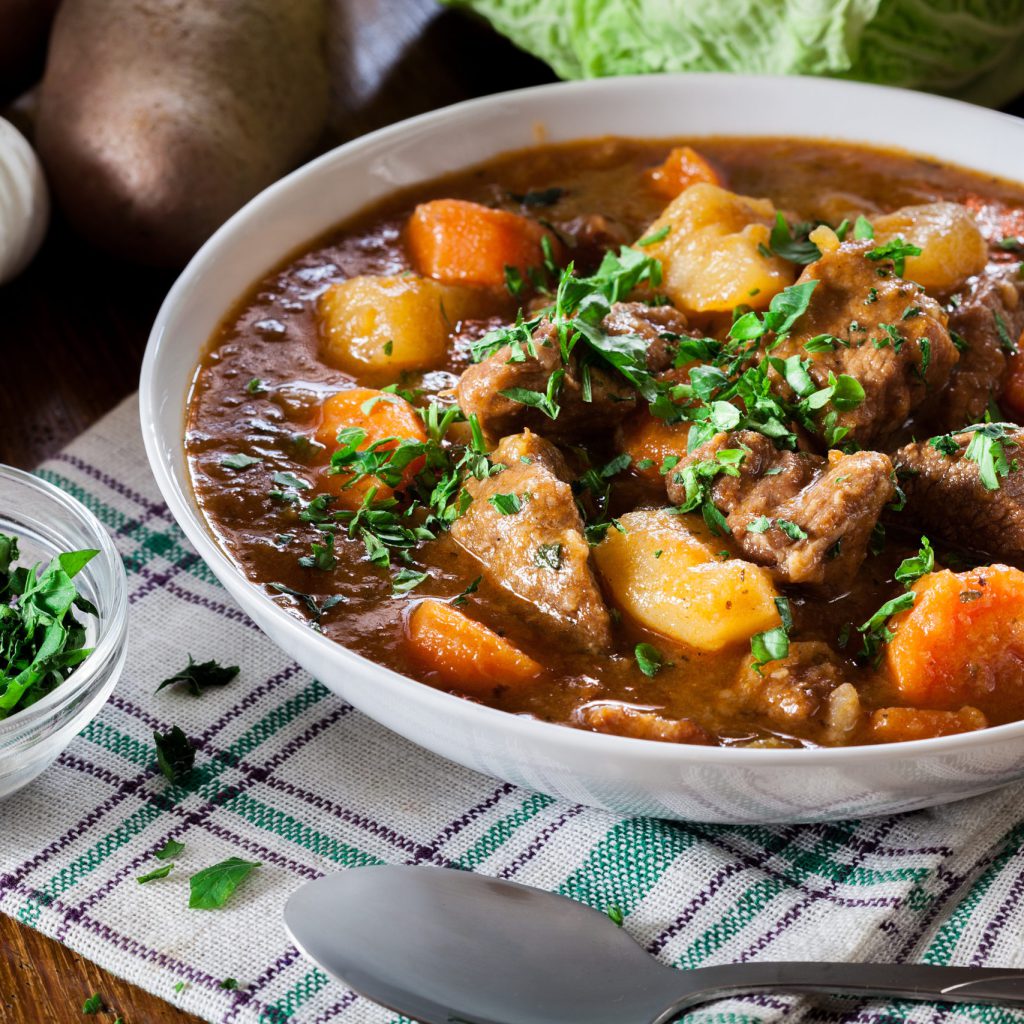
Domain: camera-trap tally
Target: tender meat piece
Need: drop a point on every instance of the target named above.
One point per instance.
(946, 498)
(650, 323)
(563, 596)
(899, 357)
(640, 723)
(804, 694)
(807, 518)
(480, 386)
(991, 306)
(590, 236)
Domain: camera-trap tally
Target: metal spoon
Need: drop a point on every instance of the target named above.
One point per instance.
(451, 947)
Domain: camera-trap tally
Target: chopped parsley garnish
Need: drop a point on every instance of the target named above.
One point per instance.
(229, 983)
(783, 311)
(791, 530)
(94, 1004)
(759, 525)
(315, 608)
(1011, 244)
(548, 556)
(649, 659)
(171, 849)
(546, 401)
(289, 481)
(506, 504)
(987, 448)
(256, 387)
(41, 641)
(513, 280)
(211, 887)
(876, 630)
(197, 676)
(785, 613)
(862, 228)
(1005, 341)
(895, 251)
(910, 570)
(175, 754)
(615, 914)
(239, 461)
(697, 480)
(655, 236)
(473, 587)
(771, 645)
(161, 872)
(793, 244)
(407, 579)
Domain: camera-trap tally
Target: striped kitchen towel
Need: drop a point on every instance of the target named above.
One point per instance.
(291, 776)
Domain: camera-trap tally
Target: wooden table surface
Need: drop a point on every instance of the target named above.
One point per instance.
(73, 329)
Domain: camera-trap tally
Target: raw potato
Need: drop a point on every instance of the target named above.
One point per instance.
(382, 325)
(686, 593)
(952, 247)
(710, 255)
(159, 118)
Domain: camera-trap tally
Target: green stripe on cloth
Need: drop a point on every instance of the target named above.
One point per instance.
(499, 833)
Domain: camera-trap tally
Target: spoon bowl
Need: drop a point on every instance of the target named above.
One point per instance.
(452, 947)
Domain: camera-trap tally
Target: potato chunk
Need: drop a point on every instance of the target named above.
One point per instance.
(382, 325)
(952, 247)
(711, 255)
(663, 571)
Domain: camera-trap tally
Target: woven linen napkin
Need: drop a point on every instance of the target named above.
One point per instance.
(289, 775)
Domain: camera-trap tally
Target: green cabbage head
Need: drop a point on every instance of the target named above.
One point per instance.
(973, 49)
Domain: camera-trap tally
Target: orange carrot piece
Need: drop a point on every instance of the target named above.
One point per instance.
(381, 415)
(962, 642)
(895, 725)
(464, 653)
(458, 242)
(682, 168)
(1012, 398)
(647, 437)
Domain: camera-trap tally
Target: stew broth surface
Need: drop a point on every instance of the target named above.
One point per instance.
(259, 388)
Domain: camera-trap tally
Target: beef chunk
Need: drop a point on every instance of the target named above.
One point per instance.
(640, 723)
(988, 314)
(538, 552)
(807, 518)
(480, 386)
(899, 356)
(651, 323)
(805, 694)
(946, 498)
(590, 236)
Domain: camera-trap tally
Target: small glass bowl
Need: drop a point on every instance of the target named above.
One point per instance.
(47, 522)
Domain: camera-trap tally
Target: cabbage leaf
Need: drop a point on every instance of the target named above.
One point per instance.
(973, 49)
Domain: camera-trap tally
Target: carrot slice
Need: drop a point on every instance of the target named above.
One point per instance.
(381, 415)
(464, 653)
(895, 725)
(682, 168)
(1012, 398)
(650, 440)
(962, 642)
(458, 242)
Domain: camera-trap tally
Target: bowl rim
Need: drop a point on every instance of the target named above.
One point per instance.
(623, 749)
(113, 621)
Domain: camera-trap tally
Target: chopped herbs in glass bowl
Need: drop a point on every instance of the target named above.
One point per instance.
(63, 623)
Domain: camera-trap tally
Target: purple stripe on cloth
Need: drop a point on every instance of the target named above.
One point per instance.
(154, 508)
(997, 922)
(537, 844)
(464, 820)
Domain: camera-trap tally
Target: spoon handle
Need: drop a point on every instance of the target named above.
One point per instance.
(906, 981)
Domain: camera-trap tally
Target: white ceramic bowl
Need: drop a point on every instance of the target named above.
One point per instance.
(625, 775)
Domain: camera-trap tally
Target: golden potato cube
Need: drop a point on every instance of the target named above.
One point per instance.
(383, 325)
(952, 247)
(713, 256)
(665, 573)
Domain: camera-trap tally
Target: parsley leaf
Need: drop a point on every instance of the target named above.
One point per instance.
(649, 659)
(897, 251)
(239, 461)
(462, 598)
(171, 849)
(876, 630)
(212, 887)
(910, 570)
(548, 556)
(161, 872)
(771, 645)
(506, 504)
(615, 915)
(791, 530)
(197, 676)
(798, 249)
(174, 754)
(94, 1004)
(407, 579)
(862, 228)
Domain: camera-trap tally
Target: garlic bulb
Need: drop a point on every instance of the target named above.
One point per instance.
(24, 202)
